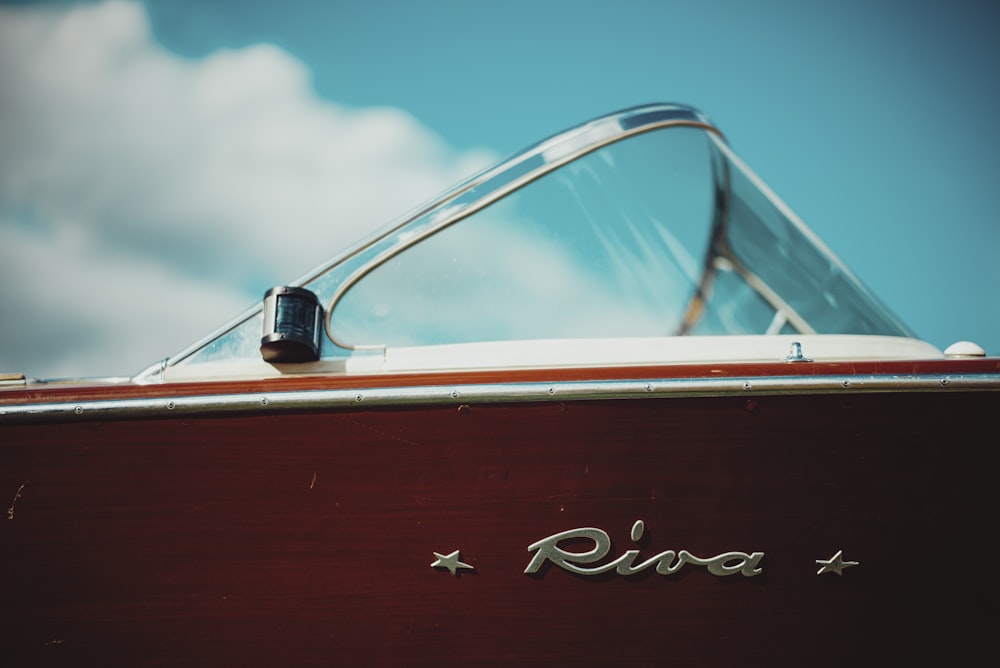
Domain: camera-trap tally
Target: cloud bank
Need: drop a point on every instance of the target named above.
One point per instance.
(146, 199)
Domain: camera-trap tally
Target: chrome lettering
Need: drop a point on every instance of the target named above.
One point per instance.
(666, 563)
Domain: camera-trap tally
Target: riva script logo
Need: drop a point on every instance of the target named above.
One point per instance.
(665, 563)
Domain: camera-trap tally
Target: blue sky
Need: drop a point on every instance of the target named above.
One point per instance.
(145, 149)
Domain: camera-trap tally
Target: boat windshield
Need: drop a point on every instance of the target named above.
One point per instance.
(640, 224)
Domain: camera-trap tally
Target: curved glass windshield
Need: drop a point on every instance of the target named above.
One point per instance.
(609, 245)
(663, 233)
(638, 224)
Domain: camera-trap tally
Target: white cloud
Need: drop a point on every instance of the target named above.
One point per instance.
(69, 307)
(145, 198)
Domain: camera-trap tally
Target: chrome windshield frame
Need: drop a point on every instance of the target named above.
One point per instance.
(333, 279)
(469, 196)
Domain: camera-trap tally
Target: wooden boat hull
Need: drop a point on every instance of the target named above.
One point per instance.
(306, 538)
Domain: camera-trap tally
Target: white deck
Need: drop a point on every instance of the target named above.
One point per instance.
(555, 353)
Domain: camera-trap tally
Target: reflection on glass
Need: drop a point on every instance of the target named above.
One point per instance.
(790, 262)
(609, 245)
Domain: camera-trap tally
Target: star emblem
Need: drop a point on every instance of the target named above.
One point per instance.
(834, 564)
(451, 562)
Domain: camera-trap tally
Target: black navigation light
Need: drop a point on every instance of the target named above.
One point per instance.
(291, 325)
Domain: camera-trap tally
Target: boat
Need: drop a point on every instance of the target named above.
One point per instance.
(608, 402)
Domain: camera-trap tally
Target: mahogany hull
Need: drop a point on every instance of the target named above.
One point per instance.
(306, 538)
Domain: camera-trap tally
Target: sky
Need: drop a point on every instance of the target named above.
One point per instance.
(163, 163)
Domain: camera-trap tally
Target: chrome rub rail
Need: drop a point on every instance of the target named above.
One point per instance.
(460, 394)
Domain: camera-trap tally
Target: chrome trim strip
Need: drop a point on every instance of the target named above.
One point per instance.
(491, 393)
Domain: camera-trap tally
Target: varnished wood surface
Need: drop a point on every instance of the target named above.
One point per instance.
(307, 539)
